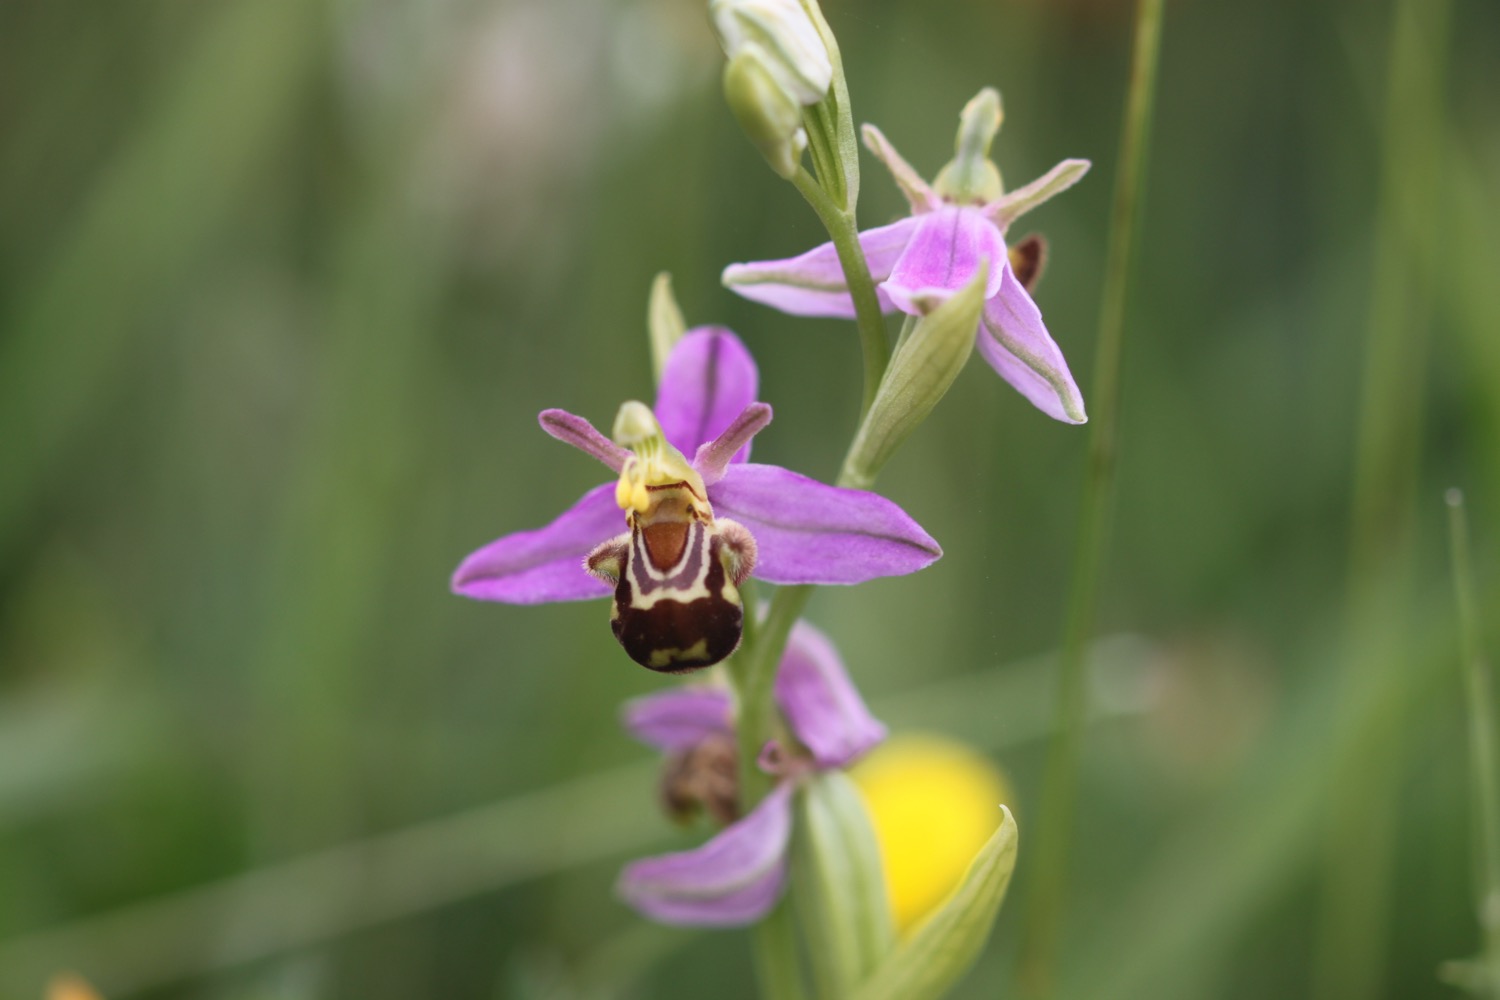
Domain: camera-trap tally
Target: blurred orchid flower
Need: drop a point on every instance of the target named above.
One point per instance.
(736, 876)
(958, 223)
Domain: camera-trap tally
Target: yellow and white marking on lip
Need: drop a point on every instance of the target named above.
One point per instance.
(654, 464)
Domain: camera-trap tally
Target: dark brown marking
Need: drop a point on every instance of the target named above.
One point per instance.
(1028, 258)
(692, 634)
(683, 485)
(703, 777)
(665, 541)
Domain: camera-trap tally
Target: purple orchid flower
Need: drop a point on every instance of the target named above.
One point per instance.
(736, 876)
(693, 530)
(957, 224)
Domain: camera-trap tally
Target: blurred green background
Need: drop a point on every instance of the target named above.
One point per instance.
(284, 283)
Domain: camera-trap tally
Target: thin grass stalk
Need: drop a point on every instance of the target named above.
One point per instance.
(1361, 826)
(1043, 924)
(1484, 747)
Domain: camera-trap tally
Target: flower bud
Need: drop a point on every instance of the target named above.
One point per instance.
(778, 63)
(788, 45)
(771, 118)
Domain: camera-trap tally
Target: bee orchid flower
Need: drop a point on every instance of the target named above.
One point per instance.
(671, 538)
(958, 224)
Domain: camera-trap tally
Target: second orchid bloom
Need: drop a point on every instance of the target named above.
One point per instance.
(737, 875)
(958, 225)
(693, 529)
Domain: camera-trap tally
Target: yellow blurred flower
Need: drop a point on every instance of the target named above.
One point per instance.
(934, 802)
(67, 986)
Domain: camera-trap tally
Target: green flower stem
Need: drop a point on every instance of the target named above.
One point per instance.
(776, 954)
(1484, 749)
(1042, 927)
(845, 235)
(753, 671)
(753, 668)
(753, 674)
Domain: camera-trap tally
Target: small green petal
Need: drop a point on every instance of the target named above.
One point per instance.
(664, 322)
(970, 177)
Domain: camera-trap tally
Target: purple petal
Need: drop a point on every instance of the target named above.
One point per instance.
(709, 380)
(733, 445)
(732, 880)
(945, 251)
(679, 718)
(806, 532)
(821, 703)
(578, 432)
(535, 567)
(1016, 344)
(813, 284)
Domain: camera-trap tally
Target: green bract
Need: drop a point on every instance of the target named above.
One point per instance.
(840, 888)
(944, 946)
(927, 360)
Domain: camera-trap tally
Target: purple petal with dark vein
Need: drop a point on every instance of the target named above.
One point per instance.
(709, 380)
(578, 432)
(813, 284)
(1015, 342)
(678, 718)
(733, 445)
(536, 567)
(806, 532)
(732, 880)
(821, 703)
(947, 248)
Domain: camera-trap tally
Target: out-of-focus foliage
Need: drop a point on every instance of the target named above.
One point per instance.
(283, 284)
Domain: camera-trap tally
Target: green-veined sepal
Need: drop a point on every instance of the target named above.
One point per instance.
(840, 890)
(925, 363)
(943, 947)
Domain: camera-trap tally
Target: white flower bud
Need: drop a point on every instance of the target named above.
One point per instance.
(791, 50)
(769, 116)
